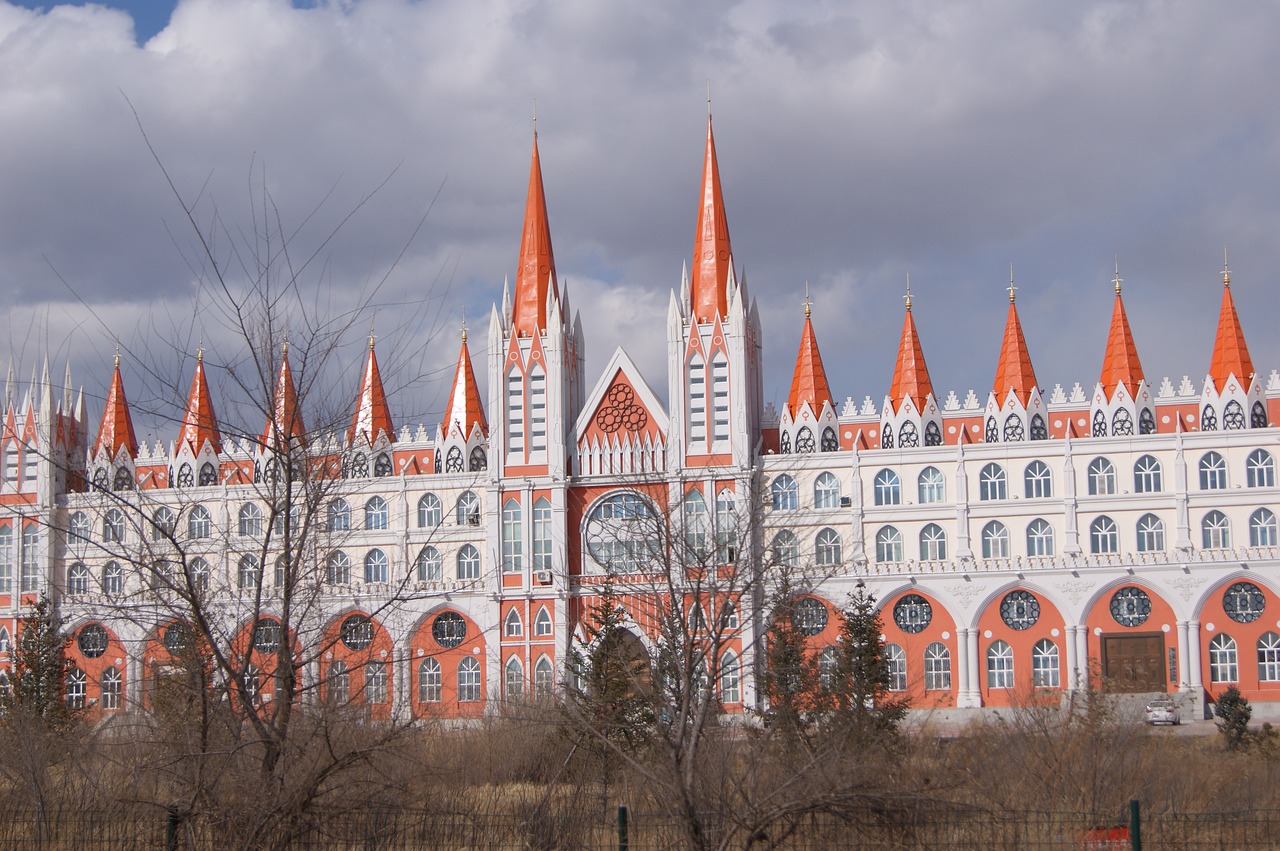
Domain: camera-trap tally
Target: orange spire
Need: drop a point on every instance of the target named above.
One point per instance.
(1120, 364)
(536, 273)
(372, 416)
(116, 430)
(1014, 369)
(1230, 354)
(709, 283)
(285, 422)
(199, 423)
(465, 410)
(910, 374)
(809, 381)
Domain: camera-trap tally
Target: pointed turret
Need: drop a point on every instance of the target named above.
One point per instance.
(285, 423)
(199, 423)
(1014, 370)
(116, 431)
(1120, 364)
(1123, 396)
(372, 417)
(809, 381)
(910, 373)
(536, 273)
(1230, 354)
(712, 256)
(464, 411)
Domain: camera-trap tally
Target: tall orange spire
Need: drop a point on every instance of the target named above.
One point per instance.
(372, 416)
(116, 431)
(1014, 369)
(464, 410)
(536, 273)
(809, 381)
(1230, 354)
(1120, 364)
(910, 373)
(709, 282)
(285, 423)
(199, 423)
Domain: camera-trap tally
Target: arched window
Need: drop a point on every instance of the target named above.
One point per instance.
(1039, 538)
(730, 678)
(375, 566)
(6, 557)
(1104, 537)
(478, 462)
(1260, 469)
(429, 681)
(1038, 480)
(515, 412)
(1213, 472)
(829, 441)
(123, 480)
(376, 679)
(1013, 430)
(544, 681)
(995, 540)
(888, 488)
(804, 441)
(783, 493)
(993, 432)
(726, 528)
(339, 515)
(1233, 416)
(786, 549)
(999, 665)
(428, 564)
(429, 511)
(1269, 657)
(1148, 476)
(933, 434)
(896, 661)
(453, 460)
(1038, 429)
(1044, 664)
(199, 523)
(542, 623)
(826, 491)
(512, 626)
(784, 443)
(888, 545)
(250, 520)
(886, 436)
(728, 616)
(827, 548)
(30, 565)
(382, 466)
(248, 572)
(1262, 528)
(937, 667)
(467, 511)
(162, 524)
(1122, 423)
(695, 525)
(112, 688)
(77, 686)
(359, 466)
(1150, 534)
(468, 562)
(933, 543)
(1146, 421)
(186, 476)
(1099, 424)
(932, 486)
(513, 679)
(468, 680)
(542, 540)
(337, 568)
(112, 579)
(1102, 477)
(1208, 419)
(1223, 662)
(1215, 531)
(537, 409)
(512, 537)
(113, 526)
(199, 569)
(1258, 416)
(622, 534)
(78, 580)
(338, 683)
(828, 669)
(992, 483)
(375, 513)
(78, 527)
(208, 474)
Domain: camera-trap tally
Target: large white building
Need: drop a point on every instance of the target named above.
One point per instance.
(1121, 533)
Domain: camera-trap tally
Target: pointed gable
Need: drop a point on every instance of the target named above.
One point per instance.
(536, 273)
(809, 380)
(1120, 364)
(620, 407)
(285, 423)
(709, 284)
(464, 411)
(910, 374)
(1230, 354)
(372, 416)
(1014, 370)
(116, 431)
(199, 423)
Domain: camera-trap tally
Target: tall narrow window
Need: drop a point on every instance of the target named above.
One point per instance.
(697, 399)
(937, 667)
(512, 538)
(542, 623)
(375, 683)
(730, 678)
(429, 681)
(77, 688)
(1269, 657)
(537, 410)
(544, 681)
(111, 688)
(1102, 477)
(826, 491)
(896, 660)
(888, 488)
(782, 492)
(6, 557)
(1262, 528)
(999, 665)
(30, 558)
(1260, 469)
(1044, 664)
(1148, 477)
(992, 483)
(1224, 664)
(695, 526)
(1150, 534)
(932, 486)
(720, 396)
(726, 528)
(338, 683)
(1039, 538)
(513, 679)
(515, 411)
(542, 543)
(1038, 480)
(1213, 472)
(468, 680)
(339, 515)
(512, 626)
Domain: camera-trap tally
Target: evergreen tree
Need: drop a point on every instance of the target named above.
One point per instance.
(612, 682)
(38, 679)
(791, 681)
(865, 707)
(1234, 714)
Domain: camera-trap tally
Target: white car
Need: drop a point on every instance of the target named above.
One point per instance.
(1162, 710)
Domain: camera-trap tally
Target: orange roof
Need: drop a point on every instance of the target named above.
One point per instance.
(465, 410)
(116, 430)
(285, 423)
(199, 423)
(1014, 369)
(1230, 354)
(1120, 364)
(709, 283)
(809, 381)
(910, 374)
(372, 416)
(536, 272)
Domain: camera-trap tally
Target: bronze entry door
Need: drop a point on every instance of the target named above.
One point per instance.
(1134, 663)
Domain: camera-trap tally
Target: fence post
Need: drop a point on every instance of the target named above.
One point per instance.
(1135, 826)
(622, 828)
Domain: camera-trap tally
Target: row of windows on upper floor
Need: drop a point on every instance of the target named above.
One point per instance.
(19, 466)
(27, 554)
(993, 481)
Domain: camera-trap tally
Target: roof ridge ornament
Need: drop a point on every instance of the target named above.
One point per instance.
(907, 297)
(1117, 280)
(1012, 289)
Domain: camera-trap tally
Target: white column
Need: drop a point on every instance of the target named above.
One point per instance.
(962, 666)
(973, 696)
(1184, 656)
(1072, 678)
(1193, 656)
(1082, 655)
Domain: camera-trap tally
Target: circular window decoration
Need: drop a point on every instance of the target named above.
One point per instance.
(1243, 602)
(1130, 606)
(176, 638)
(266, 635)
(810, 617)
(357, 632)
(619, 410)
(912, 614)
(1019, 610)
(448, 629)
(92, 641)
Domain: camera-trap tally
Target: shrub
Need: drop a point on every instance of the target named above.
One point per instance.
(1233, 712)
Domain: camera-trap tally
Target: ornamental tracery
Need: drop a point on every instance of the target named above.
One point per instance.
(620, 411)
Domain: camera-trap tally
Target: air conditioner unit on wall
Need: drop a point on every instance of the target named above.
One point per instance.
(543, 577)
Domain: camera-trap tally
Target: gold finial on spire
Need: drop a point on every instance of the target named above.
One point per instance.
(284, 348)
(807, 303)
(464, 325)
(1226, 270)
(200, 354)
(1012, 289)
(908, 295)
(117, 354)
(1117, 280)
(371, 334)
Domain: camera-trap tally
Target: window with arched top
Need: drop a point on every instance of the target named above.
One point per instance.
(123, 480)
(933, 543)
(382, 466)
(78, 579)
(1104, 536)
(250, 520)
(430, 683)
(375, 566)
(888, 545)
(932, 434)
(1258, 416)
(999, 665)
(358, 467)
(1233, 416)
(826, 491)
(1213, 472)
(1215, 531)
(477, 461)
(992, 483)
(726, 528)
(513, 679)
(1013, 429)
(785, 549)
(544, 681)
(1102, 477)
(1260, 469)
(995, 540)
(1150, 534)
(542, 534)
(186, 476)
(428, 565)
(512, 626)
(512, 537)
(469, 690)
(1208, 419)
(783, 492)
(430, 514)
(467, 510)
(1148, 475)
(208, 474)
(1122, 423)
(937, 667)
(827, 548)
(337, 568)
(696, 523)
(1224, 664)
(886, 436)
(376, 683)
(112, 579)
(1037, 480)
(931, 486)
(337, 684)
(111, 685)
(1040, 538)
(896, 661)
(339, 515)
(829, 441)
(468, 562)
(248, 572)
(804, 441)
(542, 623)
(730, 678)
(1044, 665)
(77, 689)
(1262, 528)
(113, 526)
(376, 514)
(1269, 657)
(453, 460)
(888, 488)
(199, 523)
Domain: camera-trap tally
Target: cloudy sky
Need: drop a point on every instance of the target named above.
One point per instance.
(858, 142)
